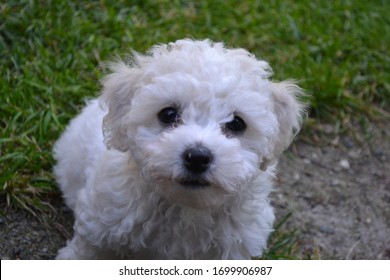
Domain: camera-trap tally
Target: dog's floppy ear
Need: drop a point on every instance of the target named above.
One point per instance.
(289, 110)
(118, 89)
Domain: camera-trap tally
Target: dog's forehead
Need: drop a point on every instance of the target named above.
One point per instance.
(205, 75)
(185, 88)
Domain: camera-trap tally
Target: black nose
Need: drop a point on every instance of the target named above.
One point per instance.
(198, 159)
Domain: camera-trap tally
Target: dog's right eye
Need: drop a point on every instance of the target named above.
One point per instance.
(168, 115)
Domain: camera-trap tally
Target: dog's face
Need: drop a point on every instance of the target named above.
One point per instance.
(200, 120)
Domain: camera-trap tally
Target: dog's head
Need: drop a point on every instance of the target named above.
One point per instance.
(200, 120)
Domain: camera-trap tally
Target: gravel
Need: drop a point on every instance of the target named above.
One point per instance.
(339, 193)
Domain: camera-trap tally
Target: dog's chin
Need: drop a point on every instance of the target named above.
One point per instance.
(193, 183)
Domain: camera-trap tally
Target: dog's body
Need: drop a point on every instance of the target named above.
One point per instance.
(186, 162)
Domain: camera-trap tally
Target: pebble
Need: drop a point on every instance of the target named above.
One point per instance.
(338, 183)
(296, 176)
(327, 230)
(378, 153)
(344, 163)
(334, 182)
(354, 154)
(347, 142)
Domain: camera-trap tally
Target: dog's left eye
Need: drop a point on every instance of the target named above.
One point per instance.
(168, 115)
(237, 125)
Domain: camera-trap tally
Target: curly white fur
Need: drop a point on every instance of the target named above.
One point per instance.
(125, 183)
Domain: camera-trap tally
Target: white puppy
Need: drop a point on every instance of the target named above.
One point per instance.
(177, 158)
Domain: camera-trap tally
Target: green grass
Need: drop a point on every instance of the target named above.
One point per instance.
(284, 244)
(51, 52)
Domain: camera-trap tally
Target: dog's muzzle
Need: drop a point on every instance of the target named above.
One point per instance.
(197, 161)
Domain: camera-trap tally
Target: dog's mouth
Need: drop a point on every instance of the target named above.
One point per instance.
(192, 183)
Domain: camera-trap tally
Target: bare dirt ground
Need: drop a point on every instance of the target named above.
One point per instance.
(337, 188)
